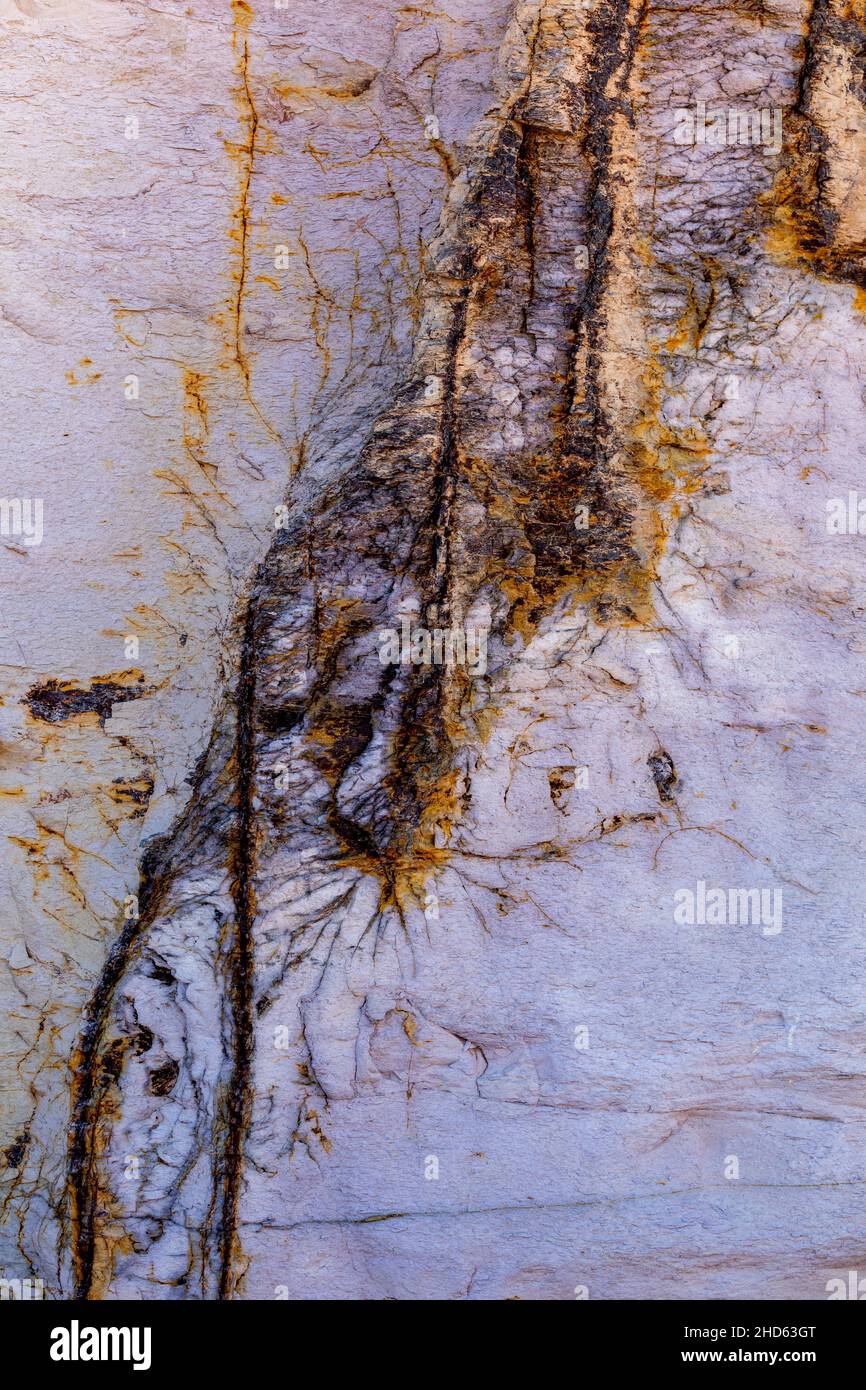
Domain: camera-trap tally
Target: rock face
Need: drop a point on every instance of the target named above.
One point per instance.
(504, 938)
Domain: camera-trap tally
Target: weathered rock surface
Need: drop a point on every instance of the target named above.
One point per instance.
(407, 1002)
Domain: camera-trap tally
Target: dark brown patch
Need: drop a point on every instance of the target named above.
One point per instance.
(14, 1155)
(162, 1081)
(661, 765)
(55, 700)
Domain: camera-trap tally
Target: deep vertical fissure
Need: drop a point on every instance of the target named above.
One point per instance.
(615, 46)
(448, 463)
(527, 197)
(238, 1098)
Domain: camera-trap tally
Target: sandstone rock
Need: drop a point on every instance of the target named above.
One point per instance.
(499, 930)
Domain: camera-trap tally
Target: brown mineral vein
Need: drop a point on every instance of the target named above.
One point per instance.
(246, 156)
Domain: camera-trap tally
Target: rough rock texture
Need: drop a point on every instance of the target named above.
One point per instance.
(405, 1003)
